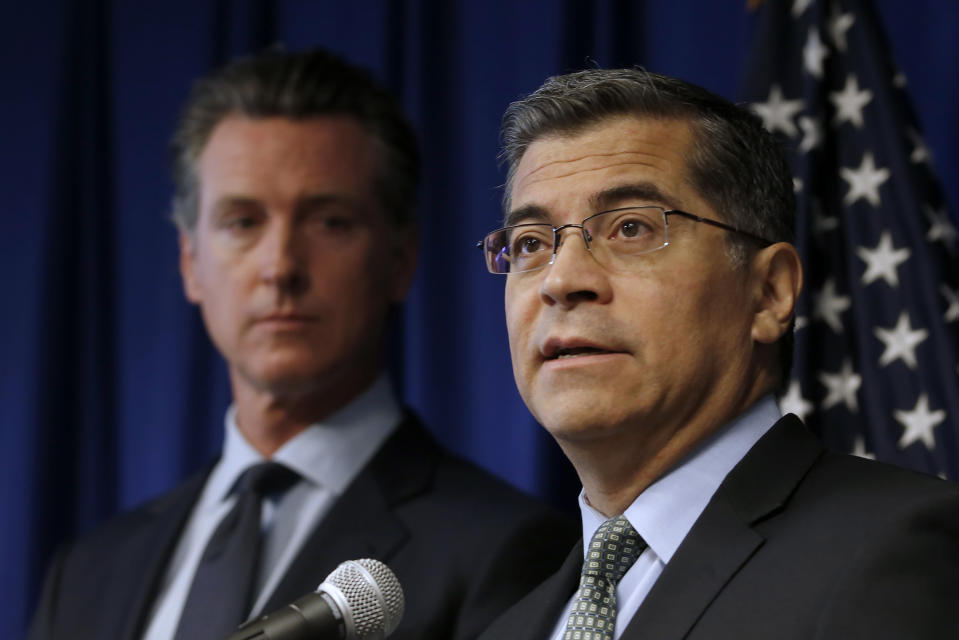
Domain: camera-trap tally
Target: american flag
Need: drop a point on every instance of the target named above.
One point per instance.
(876, 371)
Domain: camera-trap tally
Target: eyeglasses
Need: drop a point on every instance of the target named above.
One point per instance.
(609, 236)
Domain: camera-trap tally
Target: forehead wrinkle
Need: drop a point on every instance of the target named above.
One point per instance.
(587, 156)
(528, 179)
(645, 190)
(601, 199)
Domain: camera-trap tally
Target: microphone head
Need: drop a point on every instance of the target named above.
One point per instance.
(368, 596)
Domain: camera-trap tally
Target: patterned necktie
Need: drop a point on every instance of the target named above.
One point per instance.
(612, 551)
(219, 599)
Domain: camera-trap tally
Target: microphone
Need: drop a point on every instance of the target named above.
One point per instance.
(360, 600)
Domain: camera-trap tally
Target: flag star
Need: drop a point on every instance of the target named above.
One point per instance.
(865, 181)
(801, 323)
(952, 297)
(793, 402)
(859, 449)
(838, 25)
(849, 102)
(822, 223)
(800, 6)
(777, 113)
(797, 184)
(899, 80)
(813, 53)
(883, 261)
(919, 423)
(900, 342)
(828, 305)
(941, 228)
(811, 134)
(841, 387)
(920, 152)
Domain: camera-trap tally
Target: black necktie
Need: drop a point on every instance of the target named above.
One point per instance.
(219, 599)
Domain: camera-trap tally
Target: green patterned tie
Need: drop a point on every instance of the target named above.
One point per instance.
(612, 551)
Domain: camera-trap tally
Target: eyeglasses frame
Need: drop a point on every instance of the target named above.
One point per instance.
(763, 242)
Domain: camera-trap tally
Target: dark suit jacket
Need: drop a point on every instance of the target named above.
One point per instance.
(458, 540)
(796, 543)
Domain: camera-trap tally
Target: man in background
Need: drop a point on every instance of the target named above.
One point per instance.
(296, 185)
(651, 283)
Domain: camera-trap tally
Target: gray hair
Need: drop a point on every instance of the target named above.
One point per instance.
(297, 86)
(734, 163)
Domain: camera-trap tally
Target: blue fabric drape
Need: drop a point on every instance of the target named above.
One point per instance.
(111, 391)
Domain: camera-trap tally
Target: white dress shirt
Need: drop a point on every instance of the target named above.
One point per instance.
(665, 512)
(328, 456)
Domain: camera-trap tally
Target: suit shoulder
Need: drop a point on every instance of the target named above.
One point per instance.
(175, 502)
(427, 483)
(858, 497)
(412, 462)
(477, 484)
(872, 480)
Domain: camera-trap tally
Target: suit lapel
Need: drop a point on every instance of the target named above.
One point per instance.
(723, 538)
(536, 615)
(361, 523)
(712, 552)
(146, 551)
(358, 526)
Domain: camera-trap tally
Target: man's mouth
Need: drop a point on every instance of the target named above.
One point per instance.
(576, 352)
(285, 321)
(565, 349)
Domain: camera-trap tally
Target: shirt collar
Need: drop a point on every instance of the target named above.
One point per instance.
(665, 512)
(329, 453)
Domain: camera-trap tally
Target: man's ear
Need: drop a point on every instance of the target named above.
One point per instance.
(191, 285)
(406, 249)
(778, 279)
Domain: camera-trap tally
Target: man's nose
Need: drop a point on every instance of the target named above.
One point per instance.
(281, 264)
(573, 275)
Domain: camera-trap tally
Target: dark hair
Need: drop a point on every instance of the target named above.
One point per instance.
(297, 86)
(734, 163)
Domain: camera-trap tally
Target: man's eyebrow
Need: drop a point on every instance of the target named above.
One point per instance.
(304, 204)
(322, 201)
(634, 193)
(646, 192)
(529, 213)
(226, 202)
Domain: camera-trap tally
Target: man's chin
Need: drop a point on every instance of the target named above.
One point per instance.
(286, 378)
(294, 374)
(580, 423)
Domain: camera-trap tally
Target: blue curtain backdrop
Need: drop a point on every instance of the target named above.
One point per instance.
(111, 391)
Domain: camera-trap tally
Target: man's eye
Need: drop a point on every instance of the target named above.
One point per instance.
(330, 222)
(527, 244)
(337, 223)
(630, 228)
(240, 223)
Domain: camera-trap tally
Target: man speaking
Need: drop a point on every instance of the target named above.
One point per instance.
(296, 184)
(651, 282)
